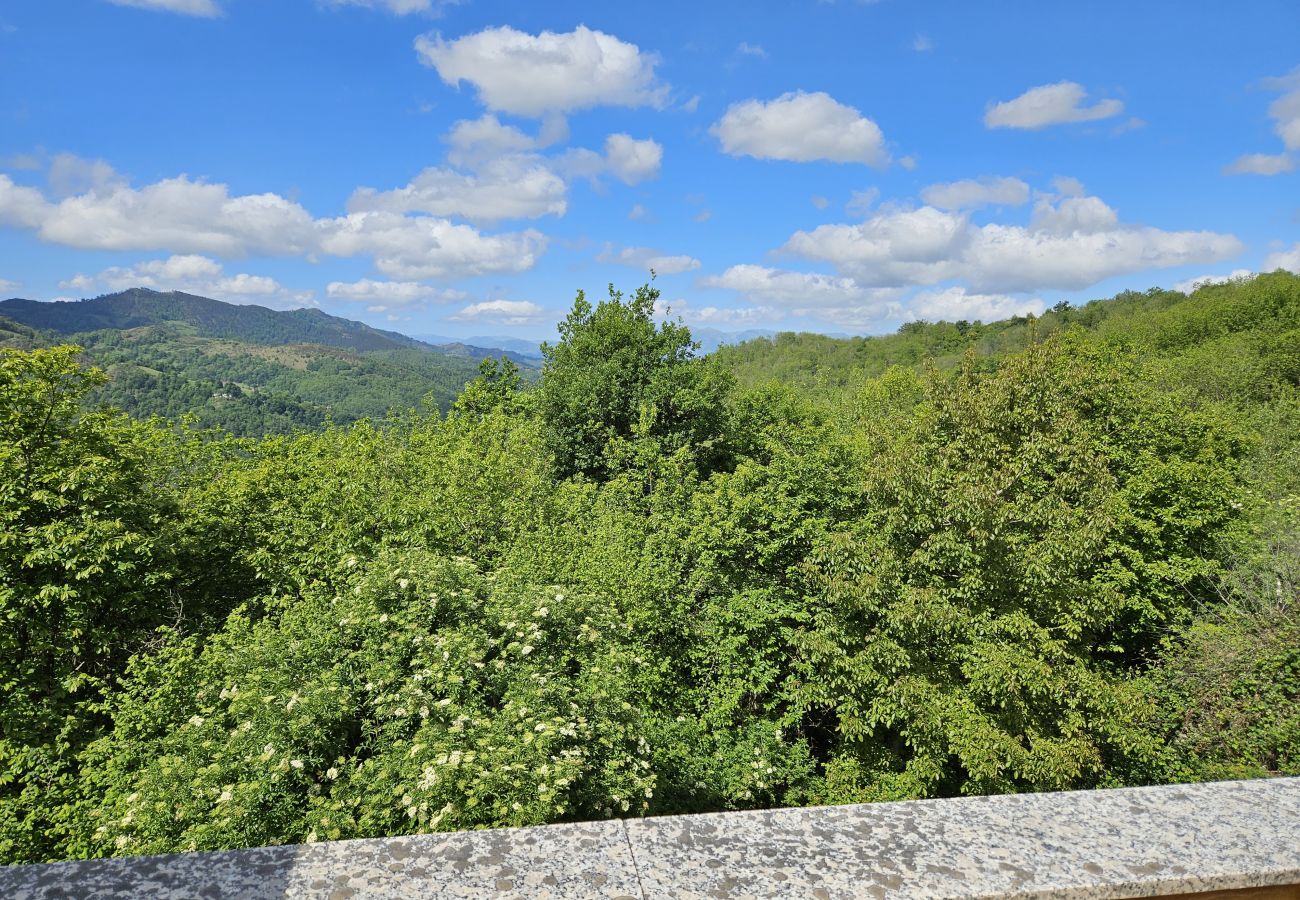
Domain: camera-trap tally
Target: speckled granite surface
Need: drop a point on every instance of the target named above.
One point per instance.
(583, 860)
(1093, 845)
(1135, 842)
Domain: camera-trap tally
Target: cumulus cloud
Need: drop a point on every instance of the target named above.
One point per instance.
(413, 248)
(846, 302)
(191, 274)
(631, 160)
(1260, 164)
(474, 141)
(176, 214)
(1285, 113)
(1073, 215)
(505, 178)
(797, 291)
(626, 158)
(202, 8)
(7, 286)
(383, 294)
(1285, 110)
(955, 303)
(645, 258)
(192, 217)
(801, 127)
(21, 207)
(534, 75)
(502, 312)
(1284, 259)
(506, 188)
(1050, 104)
(1071, 243)
(974, 193)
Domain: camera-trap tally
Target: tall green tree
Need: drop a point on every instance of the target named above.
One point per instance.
(1030, 535)
(84, 574)
(616, 378)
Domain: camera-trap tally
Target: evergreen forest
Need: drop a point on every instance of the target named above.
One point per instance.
(1047, 553)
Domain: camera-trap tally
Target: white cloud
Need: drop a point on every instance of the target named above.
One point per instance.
(420, 247)
(1067, 187)
(502, 312)
(474, 141)
(21, 207)
(845, 302)
(1260, 164)
(645, 258)
(384, 294)
(954, 304)
(626, 158)
(511, 187)
(1050, 104)
(192, 274)
(1188, 285)
(744, 48)
(819, 201)
(799, 291)
(1284, 259)
(801, 128)
(921, 43)
(1073, 215)
(631, 160)
(974, 193)
(1285, 110)
(180, 215)
(1285, 113)
(7, 286)
(533, 75)
(189, 217)
(1072, 243)
(639, 213)
(203, 8)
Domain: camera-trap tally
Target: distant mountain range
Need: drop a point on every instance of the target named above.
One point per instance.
(141, 307)
(247, 369)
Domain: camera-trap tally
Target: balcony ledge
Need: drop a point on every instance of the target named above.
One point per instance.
(1091, 845)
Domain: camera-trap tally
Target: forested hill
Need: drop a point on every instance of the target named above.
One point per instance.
(1227, 316)
(249, 370)
(140, 307)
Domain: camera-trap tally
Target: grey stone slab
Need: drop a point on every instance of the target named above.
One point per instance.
(1133, 842)
(582, 860)
(1089, 845)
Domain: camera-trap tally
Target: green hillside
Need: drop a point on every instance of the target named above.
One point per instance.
(246, 369)
(140, 307)
(1229, 318)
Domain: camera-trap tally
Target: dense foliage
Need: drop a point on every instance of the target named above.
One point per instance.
(968, 558)
(175, 368)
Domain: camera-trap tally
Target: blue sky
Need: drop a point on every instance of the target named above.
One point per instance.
(464, 168)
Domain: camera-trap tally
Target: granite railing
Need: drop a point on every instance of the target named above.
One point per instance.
(1227, 839)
